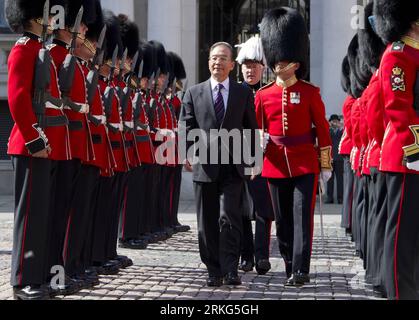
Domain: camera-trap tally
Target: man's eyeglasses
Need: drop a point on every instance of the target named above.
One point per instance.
(222, 59)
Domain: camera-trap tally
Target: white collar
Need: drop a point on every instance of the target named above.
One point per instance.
(225, 83)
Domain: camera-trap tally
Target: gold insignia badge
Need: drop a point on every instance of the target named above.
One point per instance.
(397, 79)
(295, 97)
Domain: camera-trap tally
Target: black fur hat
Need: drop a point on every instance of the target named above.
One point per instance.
(394, 18)
(345, 76)
(149, 59)
(356, 79)
(72, 9)
(285, 38)
(113, 34)
(96, 27)
(19, 12)
(160, 52)
(178, 66)
(371, 46)
(130, 34)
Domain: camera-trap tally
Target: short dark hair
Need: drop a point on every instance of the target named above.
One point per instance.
(225, 44)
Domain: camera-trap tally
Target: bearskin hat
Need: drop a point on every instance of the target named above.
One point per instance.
(113, 35)
(160, 53)
(96, 27)
(251, 50)
(345, 76)
(285, 38)
(355, 78)
(19, 12)
(371, 47)
(149, 59)
(130, 34)
(72, 9)
(394, 18)
(178, 66)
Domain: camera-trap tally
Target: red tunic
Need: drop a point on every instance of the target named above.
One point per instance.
(346, 144)
(25, 134)
(292, 112)
(397, 77)
(80, 139)
(144, 143)
(356, 136)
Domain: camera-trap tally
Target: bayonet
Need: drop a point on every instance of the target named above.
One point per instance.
(45, 23)
(174, 88)
(98, 58)
(122, 64)
(113, 65)
(134, 62)
(140, 70)
(76, 28)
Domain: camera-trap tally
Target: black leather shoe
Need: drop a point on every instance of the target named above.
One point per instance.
(69, 288)
(232, 279)
(169, 231)
(214, 282)
(135, 244)
(288, 269)
(31, 292)
(297, 280)
(124, 261)
(379, 292)
(182, 228)
(263, 266)
(111, 267)
(246, 266)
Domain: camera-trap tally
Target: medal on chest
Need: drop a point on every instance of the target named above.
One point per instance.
(295, 98)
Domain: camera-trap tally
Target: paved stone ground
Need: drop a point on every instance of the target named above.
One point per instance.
(172, 270)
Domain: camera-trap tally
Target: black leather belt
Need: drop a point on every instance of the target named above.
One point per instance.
(97, 139)
(75, 125)
(142, 138)
(116, 145)
(53, 121)
(129, 144)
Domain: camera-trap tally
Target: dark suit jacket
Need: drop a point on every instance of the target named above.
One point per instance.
(198, 113)
(336, 138)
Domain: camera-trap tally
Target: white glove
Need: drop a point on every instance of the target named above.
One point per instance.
(325, 175)
(413, 166)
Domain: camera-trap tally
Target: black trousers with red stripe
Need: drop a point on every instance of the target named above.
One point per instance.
(145, 199)
(348, 193)
(30, 230)
(293, 203)
(177, 184)
(357, 204)
(401, 245)
(379, 213)
(79, 220)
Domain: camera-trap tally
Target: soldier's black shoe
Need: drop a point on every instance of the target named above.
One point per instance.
(110, 267)
(69, 288)
(215, 282)
(182, 228)
(263, 266)
(169, 231)
(31, 292)
(297, 280)
(379, 292)
(135, 244)
(246, 266)
(124, 261)
(232, 279)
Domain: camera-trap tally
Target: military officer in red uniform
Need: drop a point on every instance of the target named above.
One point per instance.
(73, 91)
(345, 148)
(397, 23)
(129, 220)
(38, 139)
(291, 160)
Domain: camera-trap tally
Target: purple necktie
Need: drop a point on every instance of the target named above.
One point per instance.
(219, 106)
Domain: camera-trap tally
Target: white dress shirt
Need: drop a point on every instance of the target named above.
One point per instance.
(224, 92)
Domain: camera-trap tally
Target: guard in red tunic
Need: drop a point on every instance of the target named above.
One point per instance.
(397, 23)
(370, 51)
(38, 139)
(287, 110)
(130, 215)
(73, 91)
(345, 149)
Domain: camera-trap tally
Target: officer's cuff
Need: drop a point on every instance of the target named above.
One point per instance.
(326, 158)
(412, 152)
(39, 143)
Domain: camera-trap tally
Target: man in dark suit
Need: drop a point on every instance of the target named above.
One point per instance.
(219, 103)
(336, 132)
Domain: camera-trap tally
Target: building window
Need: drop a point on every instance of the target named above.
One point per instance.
(235, 21)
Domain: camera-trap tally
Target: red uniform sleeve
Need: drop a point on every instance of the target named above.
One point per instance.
(259, 111)
(21, 66)
(318, 114)
(347, 109)
(355, 118)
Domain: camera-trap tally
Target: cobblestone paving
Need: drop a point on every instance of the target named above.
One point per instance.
(173, 271)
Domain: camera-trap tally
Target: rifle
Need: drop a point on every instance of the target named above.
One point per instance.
(127, 92)
(66, 74)
(119, 90)
(109, 93)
